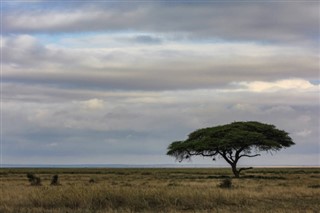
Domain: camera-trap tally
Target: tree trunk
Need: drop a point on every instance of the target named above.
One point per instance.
(235, 171)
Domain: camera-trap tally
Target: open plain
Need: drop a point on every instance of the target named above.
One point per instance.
(160, 190)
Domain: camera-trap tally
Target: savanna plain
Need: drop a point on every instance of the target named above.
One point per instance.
(160, 190)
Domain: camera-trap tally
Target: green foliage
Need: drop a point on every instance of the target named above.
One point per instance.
(232, 142)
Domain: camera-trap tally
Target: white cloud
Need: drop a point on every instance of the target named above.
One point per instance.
(304, 133)
(94, 104)
(287, 84)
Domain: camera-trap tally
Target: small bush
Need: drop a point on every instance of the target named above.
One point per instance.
(173, 184)
(30, 177)
(146, 173)
(263, 177)
(226, 183)
(317, 186)
(55, 180)
(34, 180)
(92, 180)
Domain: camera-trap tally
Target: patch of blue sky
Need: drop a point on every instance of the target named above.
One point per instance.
(123, 38)
(21, 6)
(28, 5)
(66, 38)
(315, 81)
(60, 5)
(56, 38)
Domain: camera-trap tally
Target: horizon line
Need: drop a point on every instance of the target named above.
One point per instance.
(146, 166)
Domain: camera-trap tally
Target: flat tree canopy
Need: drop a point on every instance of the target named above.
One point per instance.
(231, 142)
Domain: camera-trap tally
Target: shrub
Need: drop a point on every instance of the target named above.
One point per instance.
(34, 180)
(55, 180)
(226, 183)
(92, 180)
(317, 186)
(173, 184)
(30, 177)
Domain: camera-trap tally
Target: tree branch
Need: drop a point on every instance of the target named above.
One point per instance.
(250, 156)
(241, 169)
(239, 151)
(190, 153)
(224, 155)
(208, 155)
(231, 157)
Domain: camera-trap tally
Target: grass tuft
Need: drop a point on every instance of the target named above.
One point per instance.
(226, 183)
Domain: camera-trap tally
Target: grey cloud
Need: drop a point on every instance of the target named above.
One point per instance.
(161, 79)
(59, 142)
(27, 61)
(136, 125)
(265, 21)
(145, 39)
(26, 52)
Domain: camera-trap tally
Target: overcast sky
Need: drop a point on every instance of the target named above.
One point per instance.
(115, 82)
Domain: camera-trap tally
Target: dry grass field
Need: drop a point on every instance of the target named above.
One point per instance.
(161, 190)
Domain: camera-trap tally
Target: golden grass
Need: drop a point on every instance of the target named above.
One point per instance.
(161, 190)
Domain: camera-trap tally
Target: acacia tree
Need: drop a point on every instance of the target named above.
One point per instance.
(232, 142)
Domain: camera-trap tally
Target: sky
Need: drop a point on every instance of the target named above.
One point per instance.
(115, 82)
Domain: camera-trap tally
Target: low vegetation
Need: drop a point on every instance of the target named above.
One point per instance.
(160, 190)
(33, 180)
(226, 183)
(55, 180)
